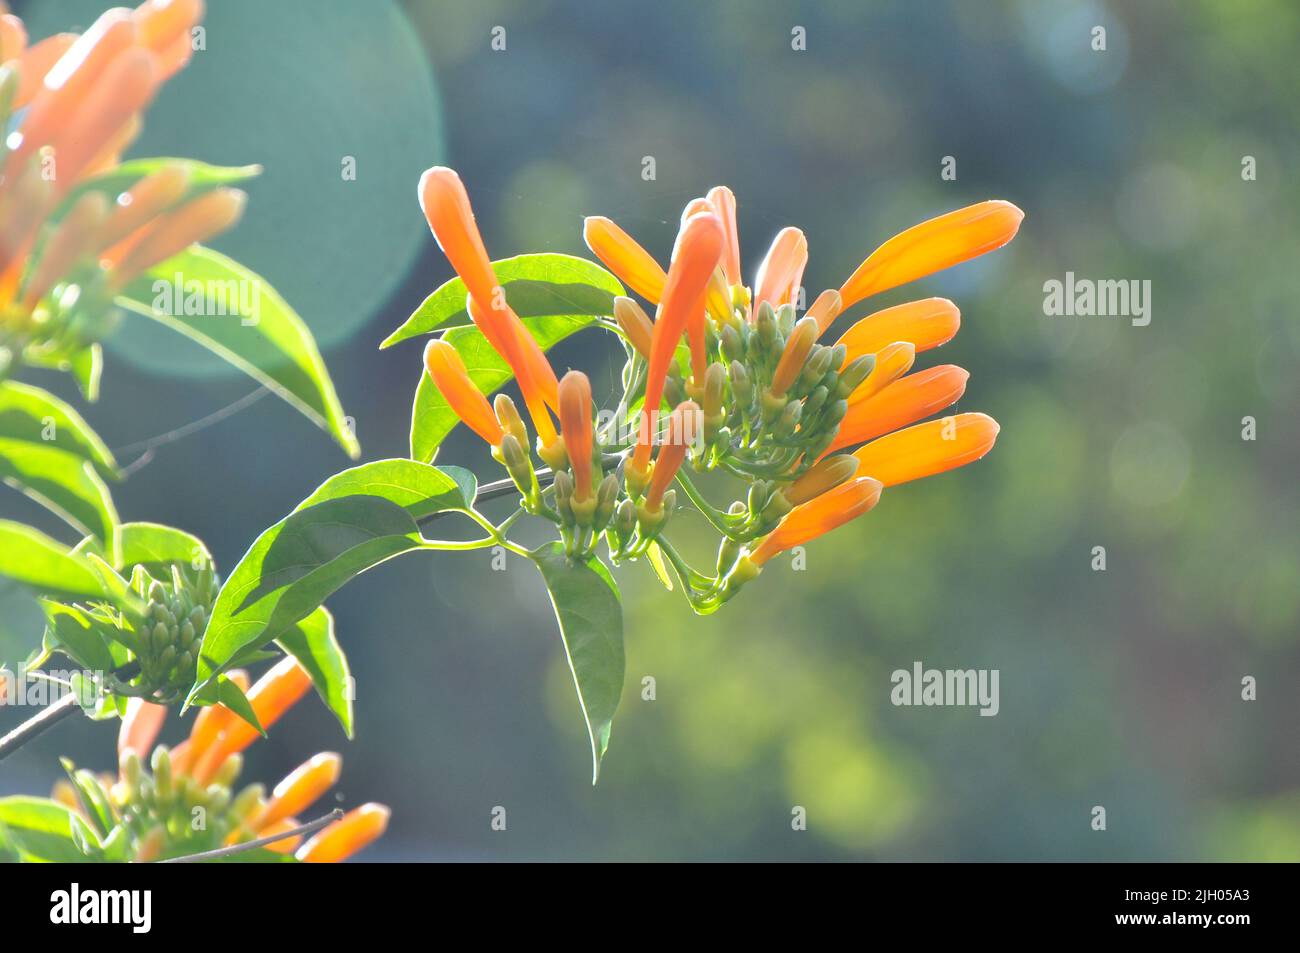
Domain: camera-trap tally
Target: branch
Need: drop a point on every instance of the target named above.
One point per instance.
(221, 852)
(51, 716)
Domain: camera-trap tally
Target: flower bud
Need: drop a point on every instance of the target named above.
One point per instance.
(854, 373)
(733, 346)
(728, 550)
(814, 402)
(741, 385)
(822, 476)
(508, 417)
(161, 763)
(715, 381)
(229, 771)
(785, 424)
(606, 498)
(765, 323)
(797, 348)
(564, 496)
(636, 324)
(625, 518)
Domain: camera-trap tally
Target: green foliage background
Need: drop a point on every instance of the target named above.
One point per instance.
(1119, 688)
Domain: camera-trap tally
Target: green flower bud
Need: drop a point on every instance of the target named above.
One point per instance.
(624, 522)
(741, 385)
(130, 768)
(777, 506)
(218, 798)
(156, 592)
(733, 346)
(788, 421)
(785, 319)
(518, 465)
(728, 550)
(835, 413)
(161, 763)
(229, 771)
(199, 619)
(606, 498)
(773, 405)
(765, 324)
(854, 374)
(244, 803)
(564, 496)
(814, 402)
(715, 382)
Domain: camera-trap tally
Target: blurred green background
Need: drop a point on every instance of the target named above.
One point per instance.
(1119, 688)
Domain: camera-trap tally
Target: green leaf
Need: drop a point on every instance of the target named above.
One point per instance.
(356, 520)
(85, 362)
(64, 483)
(242, 319)
(158, 547)
(36, 416)
(313, 644)
(94, 799)
(418, 488)
(34, 559)
(590, 613)
(535, 286)
(432, 417)
(40, 829)
(233, 697)
(71, 631)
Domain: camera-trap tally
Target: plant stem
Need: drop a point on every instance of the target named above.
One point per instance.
(220, 852)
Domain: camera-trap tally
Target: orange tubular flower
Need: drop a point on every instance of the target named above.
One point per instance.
(69, 81)
(724, 205)
(825, 309)
(933, 246)
(575, 427)
(682, 425)
(209, 214)
(779, 274)
(451, 219)
(794, 354)
(892, 362)
(75, 237)
(208, 726)
(151, 196)
(804, 523)
(532, 373)
(354, 831)
(453, 381)
(161, 22)
(35, 62)
(286, 845)
(13, 37)
(300, 789)
(903, 402)
(926, 324)
(621, 254)
(699, 247)
(274, 693)
(123, 89)
(140, 726)
(929, 448)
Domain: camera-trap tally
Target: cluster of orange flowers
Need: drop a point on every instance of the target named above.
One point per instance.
(78, 101)
(873, 403)
(157, 810)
